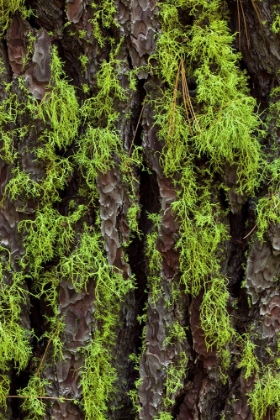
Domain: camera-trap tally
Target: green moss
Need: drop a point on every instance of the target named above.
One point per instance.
(83, 263)
(104, 18)
(164, 416)
(275, 26)
(215, 320)
(265, 396)
(175, 375)
(133, 215)
(58, 172)
(99, 375)
(15, 349)
(50, 234)
(7, 8)
(201, 135)
(227, 109)
(249, 361)
(84, 61)
(10, 110)
(21, 185)
(35, 406)
(100, 108)
(59, 108)
(95, 153)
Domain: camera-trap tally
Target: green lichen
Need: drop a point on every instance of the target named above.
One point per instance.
(21, 185)
(58, 173)
(7, 9)
(101, 142)
(212, 129)
(59, 108)
(275, 26)
(264, 398)
(100, 108)
(50, 234)
(175, 333)
(175, 375)
(249, 361)
(95, 153)
(84, 61)
(53, 249)
(268, 210)
(35, 406)
(201, 234)
(10, 110)
(30, 38)
(83, 263)
(215, 320)
(104, 18)
(15, 349)
(133, 215)
(59, 113)
(99, 375)
(34, 395)
(222, 99)
(164, 416)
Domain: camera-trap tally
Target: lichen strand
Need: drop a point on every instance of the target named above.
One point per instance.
(198, 135)
(7, 9)
(59, 108)
(103, 20)
(201, 136)
(264, 398)
(99, 376)
(15, 348)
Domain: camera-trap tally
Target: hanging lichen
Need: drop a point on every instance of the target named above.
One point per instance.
(201, 135)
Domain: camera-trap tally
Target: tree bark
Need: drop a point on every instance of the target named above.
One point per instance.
(139, 210)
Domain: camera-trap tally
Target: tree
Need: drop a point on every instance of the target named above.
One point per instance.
(139, 210)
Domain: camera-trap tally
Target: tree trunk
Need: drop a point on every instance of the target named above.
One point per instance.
(140, 222)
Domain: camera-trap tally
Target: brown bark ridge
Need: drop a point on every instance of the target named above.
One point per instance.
(102, 313)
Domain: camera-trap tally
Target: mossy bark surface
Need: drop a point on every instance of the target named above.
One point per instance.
(140, 210)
